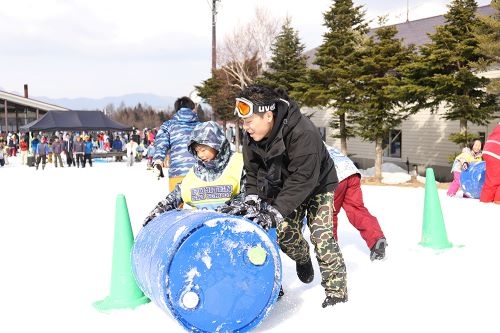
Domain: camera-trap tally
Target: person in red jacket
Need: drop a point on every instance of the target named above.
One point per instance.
(491, 156)
(23, 147)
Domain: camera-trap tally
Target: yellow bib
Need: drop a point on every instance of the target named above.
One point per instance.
(212, 194)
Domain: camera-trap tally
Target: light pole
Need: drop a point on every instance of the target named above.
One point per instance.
(407, 10)
(214, 39)
(214, 42)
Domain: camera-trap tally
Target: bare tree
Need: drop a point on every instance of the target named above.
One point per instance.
(250, 41)
(263, 30)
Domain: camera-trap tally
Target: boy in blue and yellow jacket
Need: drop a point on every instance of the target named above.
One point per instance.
(215, 178)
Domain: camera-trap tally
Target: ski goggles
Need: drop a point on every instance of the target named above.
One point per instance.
(245, 108)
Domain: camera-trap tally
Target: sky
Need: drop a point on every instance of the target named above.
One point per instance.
(57, 252)
(95, 49)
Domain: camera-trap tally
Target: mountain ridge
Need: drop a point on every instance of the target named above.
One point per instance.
(159, 103)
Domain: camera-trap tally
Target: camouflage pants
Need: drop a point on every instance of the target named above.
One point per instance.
(319, 212)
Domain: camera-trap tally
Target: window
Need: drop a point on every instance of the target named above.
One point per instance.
(392, 145)
(482, 137)
(322, 132)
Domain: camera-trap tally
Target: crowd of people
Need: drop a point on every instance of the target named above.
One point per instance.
(38, 149)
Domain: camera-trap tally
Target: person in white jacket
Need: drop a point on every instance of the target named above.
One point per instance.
(131, 148)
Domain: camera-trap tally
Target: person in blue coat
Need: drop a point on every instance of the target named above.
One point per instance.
(42, 150)
(117, 145)
(34, 144)
(173, 138)
(87, 151)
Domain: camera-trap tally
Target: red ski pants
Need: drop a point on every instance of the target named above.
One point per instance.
(349, 196)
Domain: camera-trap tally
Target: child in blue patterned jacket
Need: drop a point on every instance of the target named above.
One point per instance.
(172, 140)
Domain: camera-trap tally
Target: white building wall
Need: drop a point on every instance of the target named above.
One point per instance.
(424, 142)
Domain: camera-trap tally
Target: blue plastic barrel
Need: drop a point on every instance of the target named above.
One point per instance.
(472, 179)
(211, 271)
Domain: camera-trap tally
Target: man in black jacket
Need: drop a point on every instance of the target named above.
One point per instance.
(290, 175)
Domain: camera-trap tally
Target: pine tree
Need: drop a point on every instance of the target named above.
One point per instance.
(220, 93)
(288, 63)
(488, 36)
(331, 83)
(381, 90)
(448, 69)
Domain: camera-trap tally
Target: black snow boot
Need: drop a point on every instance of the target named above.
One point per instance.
(305, 272)
(281, 293)
(377, 252)
(332, 300)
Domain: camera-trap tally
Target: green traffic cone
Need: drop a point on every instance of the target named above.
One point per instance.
(433, 228)
(125, 292)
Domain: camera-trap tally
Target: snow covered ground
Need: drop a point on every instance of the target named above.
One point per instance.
(56, 254)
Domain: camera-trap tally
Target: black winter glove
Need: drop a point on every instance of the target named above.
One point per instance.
(159, 171)
(233, 208)
(147, 220)
(251, 204)
(268, 217)
(161, 207)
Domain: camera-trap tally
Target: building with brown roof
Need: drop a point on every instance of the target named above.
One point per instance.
(422, 140)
